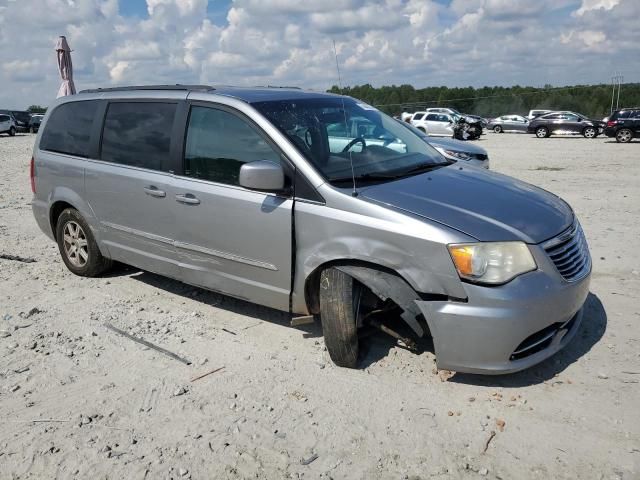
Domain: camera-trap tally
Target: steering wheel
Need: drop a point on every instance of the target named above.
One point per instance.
(353, 142)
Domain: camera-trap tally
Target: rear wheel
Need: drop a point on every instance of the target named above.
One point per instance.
(589, 132)
(78, 248)
(497, 129)
(422, 129)
(12, 131)
(542, 132)
(624, 135)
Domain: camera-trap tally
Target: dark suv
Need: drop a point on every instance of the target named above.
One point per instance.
(624, 125)
(565, 122)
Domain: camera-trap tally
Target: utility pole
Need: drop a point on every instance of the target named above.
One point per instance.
(616, 81)
(620, 80)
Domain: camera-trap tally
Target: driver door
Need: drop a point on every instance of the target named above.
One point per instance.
(229, 238)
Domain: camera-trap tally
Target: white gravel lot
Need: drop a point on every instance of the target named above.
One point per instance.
(79, 401)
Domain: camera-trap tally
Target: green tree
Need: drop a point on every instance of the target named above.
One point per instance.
(36, 109)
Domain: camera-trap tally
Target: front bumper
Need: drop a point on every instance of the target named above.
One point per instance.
(506, 328)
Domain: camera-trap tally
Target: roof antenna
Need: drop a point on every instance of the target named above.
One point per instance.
(344, 112)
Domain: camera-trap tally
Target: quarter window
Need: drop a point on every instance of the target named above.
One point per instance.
(138, 134)
(219, 143)
(69, 128)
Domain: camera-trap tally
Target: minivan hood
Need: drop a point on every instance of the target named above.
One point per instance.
(482, 204)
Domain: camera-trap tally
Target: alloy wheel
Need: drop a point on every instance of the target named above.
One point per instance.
(589, 132)
(75, 244)
(623, 136)
(541, 132)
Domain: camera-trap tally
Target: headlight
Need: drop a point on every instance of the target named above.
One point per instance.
(456, 155)
(491, 262)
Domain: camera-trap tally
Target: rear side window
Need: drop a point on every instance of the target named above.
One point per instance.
(219, 143)
(418, 116)
(621, 114)
(138, 134)
(432, 117)
(68, 130)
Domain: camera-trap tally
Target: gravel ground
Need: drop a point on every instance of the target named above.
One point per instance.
(78, 400)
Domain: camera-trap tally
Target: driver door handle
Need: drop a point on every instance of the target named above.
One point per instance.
(187, 198)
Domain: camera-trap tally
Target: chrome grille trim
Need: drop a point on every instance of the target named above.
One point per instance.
(569, 253)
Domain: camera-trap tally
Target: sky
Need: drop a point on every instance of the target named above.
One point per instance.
(290, 42)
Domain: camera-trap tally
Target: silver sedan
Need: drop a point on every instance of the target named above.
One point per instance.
(509, 123)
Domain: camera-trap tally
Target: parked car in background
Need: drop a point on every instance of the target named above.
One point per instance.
(624, 125)
(7, 124)
(565, 122)
(22, 119)
(34, 123)
(443, 110)
(356, 232)
(406, 117)
(537, 113)
(483, 121)
(509, 123)
(466, 127)
(434, 123)
(456, 150)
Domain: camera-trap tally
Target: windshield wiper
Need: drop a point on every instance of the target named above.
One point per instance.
(426, 166)
(367, 176)
(373, 176)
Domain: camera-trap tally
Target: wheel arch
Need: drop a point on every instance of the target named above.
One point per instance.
(312, 281)
(54, 213)
(64, 197)
(384, 282)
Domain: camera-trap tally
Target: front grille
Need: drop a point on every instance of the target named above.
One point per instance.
(570, 253)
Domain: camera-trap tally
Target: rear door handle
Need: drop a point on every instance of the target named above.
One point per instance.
(154, 191)
(187, 198)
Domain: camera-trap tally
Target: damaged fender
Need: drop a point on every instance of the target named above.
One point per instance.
(388, 286)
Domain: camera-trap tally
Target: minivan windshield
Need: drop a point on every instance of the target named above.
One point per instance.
(335, 133)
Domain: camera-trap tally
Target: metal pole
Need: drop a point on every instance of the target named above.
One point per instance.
(620, 79)
(613, 94)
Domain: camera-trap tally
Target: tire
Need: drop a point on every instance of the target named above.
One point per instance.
(338, 316)
(73, 231)
(589, 132)
(422, 129)
(624, 135)
(498, 129)
(542, 132)
(12, 131)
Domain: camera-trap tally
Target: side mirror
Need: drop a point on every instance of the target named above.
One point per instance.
(262, 175)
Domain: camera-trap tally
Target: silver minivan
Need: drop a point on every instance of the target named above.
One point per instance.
(318, 205)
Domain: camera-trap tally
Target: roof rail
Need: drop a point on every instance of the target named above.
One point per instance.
(202, 88)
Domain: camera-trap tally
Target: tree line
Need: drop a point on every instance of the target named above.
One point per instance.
(590, 100)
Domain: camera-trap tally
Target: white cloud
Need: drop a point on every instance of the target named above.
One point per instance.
(588, 5)
(422, 42)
